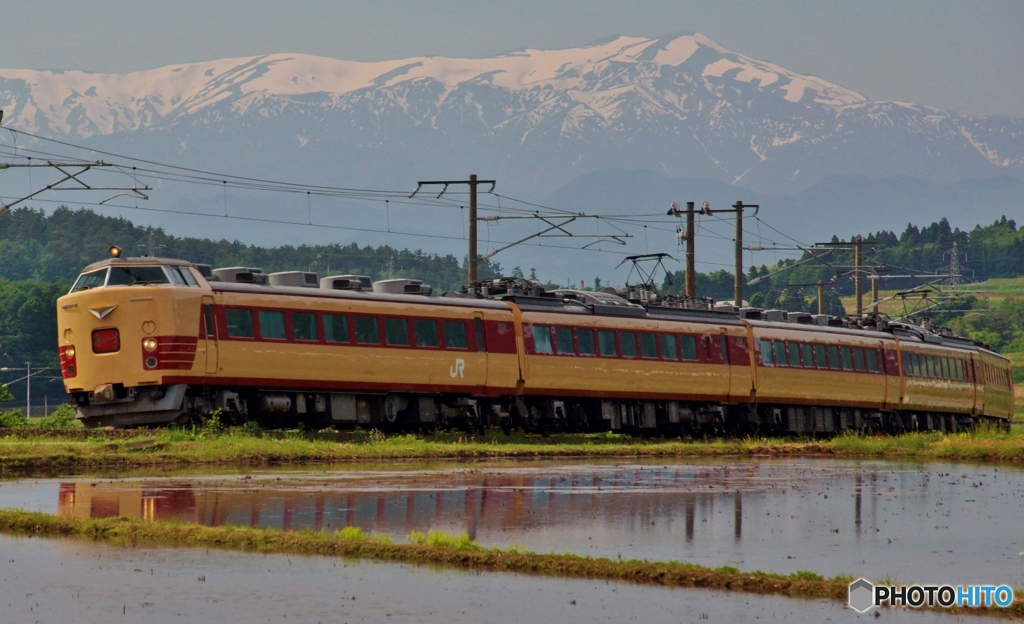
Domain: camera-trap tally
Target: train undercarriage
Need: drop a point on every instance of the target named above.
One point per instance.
(394, 412)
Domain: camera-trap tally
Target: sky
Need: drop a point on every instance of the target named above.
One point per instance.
(960, 56)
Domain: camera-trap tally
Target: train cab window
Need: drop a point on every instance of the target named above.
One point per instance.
(780, 353)
(872, 360)
(819, 357)
(304, 326)
(426, 332)
(186, 274)
(585, 340)
(367, 330)
(794, 354)
(272, 325)
(542, 339)
(806, 355)
(137, 276)
(648, 346)
(688, 346)
(92, 279)
(847, 359)
(858, 360)
(669, 347)
(336, 328)
(606, 343)
(563, 340)
(396, 332)
(627, 342)
(455, 335)
(239, 323)
(833, 358)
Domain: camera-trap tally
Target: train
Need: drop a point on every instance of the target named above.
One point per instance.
(153, 341)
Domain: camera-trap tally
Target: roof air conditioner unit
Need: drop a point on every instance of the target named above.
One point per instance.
(346, 282)
(775, 316)
(299, 279)
(401, 287)
(241, 275)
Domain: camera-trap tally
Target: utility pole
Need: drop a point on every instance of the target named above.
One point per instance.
(691, 270)
(874, 292)
(28, 389)
(821, 297)
(858, 292)
(473, 182)
(738, 209)
(687, 236)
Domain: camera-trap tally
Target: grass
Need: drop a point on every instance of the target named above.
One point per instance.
(436, 548)
(239, 447)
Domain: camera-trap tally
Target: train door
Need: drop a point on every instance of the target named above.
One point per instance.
(978, 377)
(210, 339)
(481, 345)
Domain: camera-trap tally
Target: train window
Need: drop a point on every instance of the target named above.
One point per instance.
(648, 346)
(367, 330)
(929, 366)
(669, 347)
(585, 340)
(766, 353)
(833, 358)
(186, 273)
(794, 354)
(92, 279)
(872, 358)
(272, 325)
(336, 328)
(455, 335)
(944, 362)
(819, 356)
(918, 365)
(478, 328)
(396, 331)
(627, 342)
(239, 323)
(542, 339)
(847, 360)
(780, 353)
(807, 355)
(606, 342)
(211, 331)
(961, 369)
(858, 359)
(908, 366)
(137, 276)
(176, 278)
(304, 326)
(563, 340)
(689, 347)
(426, 332)
(725, 348)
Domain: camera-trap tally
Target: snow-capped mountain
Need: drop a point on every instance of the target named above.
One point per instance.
(681, 106)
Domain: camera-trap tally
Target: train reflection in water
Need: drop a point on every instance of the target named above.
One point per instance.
(636, 499)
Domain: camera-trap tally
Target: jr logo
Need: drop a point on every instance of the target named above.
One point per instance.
(459, 369)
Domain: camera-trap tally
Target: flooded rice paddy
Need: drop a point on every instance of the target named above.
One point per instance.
(913, 523)
(54, 580)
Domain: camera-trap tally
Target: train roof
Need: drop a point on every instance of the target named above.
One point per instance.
(528, 296)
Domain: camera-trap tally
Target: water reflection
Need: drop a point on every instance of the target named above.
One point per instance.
(945, 523)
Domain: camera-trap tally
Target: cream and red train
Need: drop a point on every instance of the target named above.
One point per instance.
(146, 341)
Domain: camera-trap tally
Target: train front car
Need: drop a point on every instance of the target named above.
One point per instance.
(125, 323)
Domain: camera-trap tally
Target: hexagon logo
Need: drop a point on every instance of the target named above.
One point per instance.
(862, 594)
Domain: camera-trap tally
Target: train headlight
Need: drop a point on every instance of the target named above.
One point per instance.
(149, 344)
(115, 251)
(69, 353)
